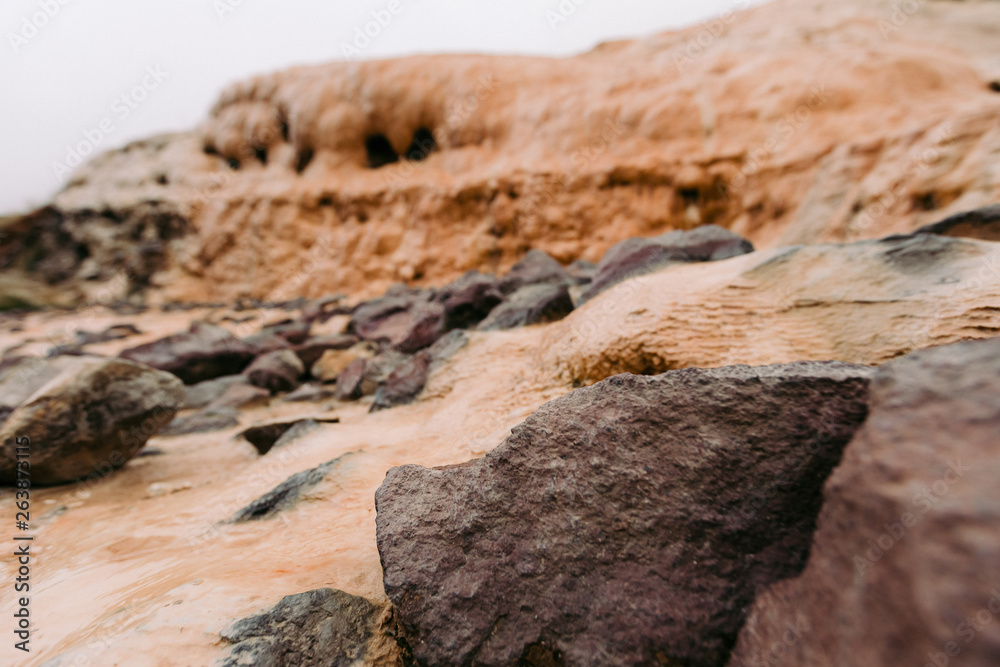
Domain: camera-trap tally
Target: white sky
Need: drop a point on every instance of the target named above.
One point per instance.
(64, 77)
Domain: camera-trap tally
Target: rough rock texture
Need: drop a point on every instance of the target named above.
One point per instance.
(202, 353)
(981, 223)
(319, 628)
(532, 304)
(403, 384)
(277, 371)
(866, 302)
(626, 523)
(89, 419)
(404, 322)
(905, 568)
(768, 123)
(638, 256)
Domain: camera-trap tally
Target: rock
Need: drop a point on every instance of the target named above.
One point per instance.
(285, 495)
(113, 332)
(534, 304)
(295, 332)
(905, 564)
(536, 268)
(627, 523)
(981, 223)
(262, 343)
(405, 323)
(203, 421)
(313, 348)
(865, 302)
(468, 299)
(638, 256)
(319, 628)
(276, 371)
(20, 377)
(311, 392)
(329, 366)
(322, 309)
(446, 347)
(238, 396)
(582, 271)
(202, 353)
(265, 437)
(404, 383)
(350, 382)
(90, 418)
(379, 368)
(201, 394)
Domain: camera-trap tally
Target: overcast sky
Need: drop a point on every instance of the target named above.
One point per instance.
(65, 64)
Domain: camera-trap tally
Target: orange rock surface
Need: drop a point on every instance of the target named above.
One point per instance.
(793, 122)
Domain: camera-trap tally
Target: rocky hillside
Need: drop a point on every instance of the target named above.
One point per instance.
(799, 121)
(680, 352)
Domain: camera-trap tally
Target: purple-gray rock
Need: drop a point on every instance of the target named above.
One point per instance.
(638, 256)
(536, 268)
(905, 563)
(277, 371)
(350, 380)
(627, 523)
(981, 223)
(468, 299)
(203, 352)
(405, 382)
(534, 304)
(313, 348)
(403, 322)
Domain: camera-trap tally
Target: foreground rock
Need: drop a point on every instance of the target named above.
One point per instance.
(639, 256)
(626, 523)
(320, 628)
(90, 418)
(201, 353)
(905, 569)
